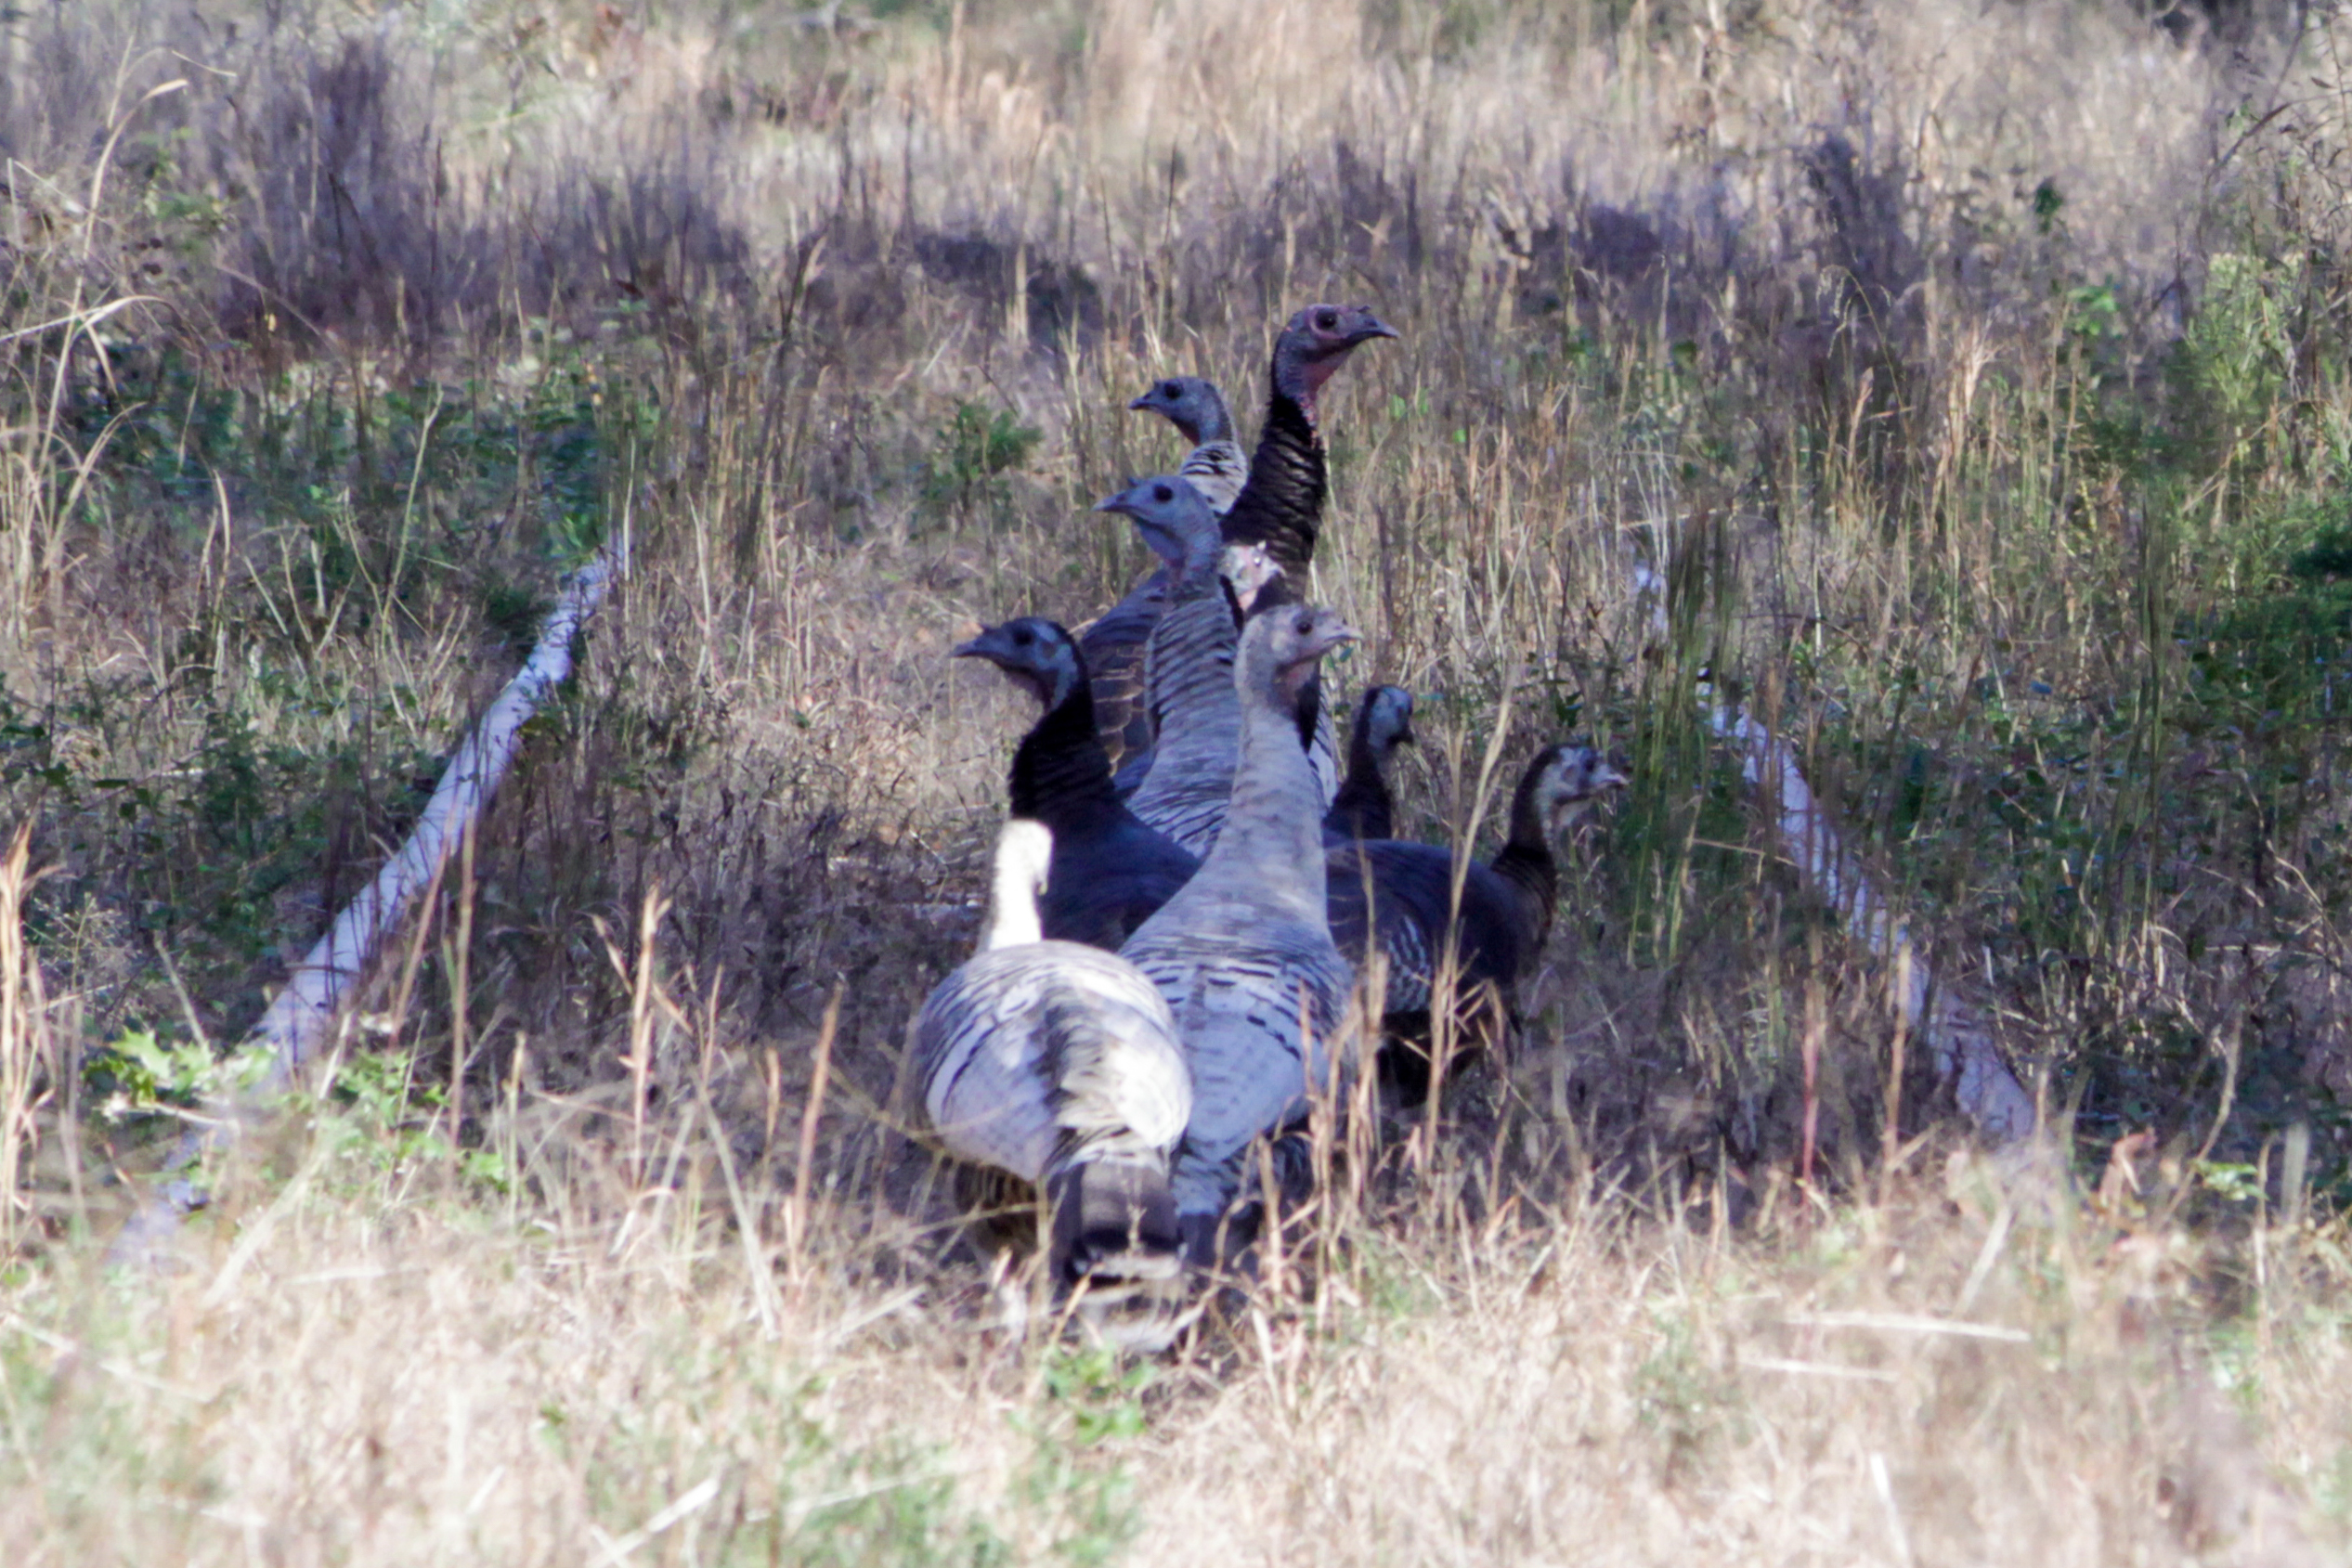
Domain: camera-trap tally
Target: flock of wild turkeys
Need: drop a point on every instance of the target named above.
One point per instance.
(1186, 886)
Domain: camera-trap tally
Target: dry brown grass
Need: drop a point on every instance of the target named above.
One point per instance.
(1981, 371)
(356, 1368)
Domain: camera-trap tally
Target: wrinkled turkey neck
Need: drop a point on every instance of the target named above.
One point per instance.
(1298, 692)
(1308, 701)
(1268, 840)
(1281, 506)
(1203, 555)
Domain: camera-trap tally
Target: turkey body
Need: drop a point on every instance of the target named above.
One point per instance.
(1244, 954)
(1114, 641)
(1015, 1032)
(1398, 898)
(1278, 508)
(1059, 1064)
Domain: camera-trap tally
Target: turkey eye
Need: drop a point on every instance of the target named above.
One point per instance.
(1170, 391)
(1327, 320)
(1022, 638)
(1162, 493)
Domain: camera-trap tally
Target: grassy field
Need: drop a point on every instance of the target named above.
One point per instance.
(1973, 380)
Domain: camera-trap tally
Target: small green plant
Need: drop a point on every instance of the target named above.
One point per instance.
(972, 452)
(140, 1074)
(1093, 1398)
(2048, 202)
(1690, 1405)
(2232, 1181)
(379, 1112)
(1103, 1397)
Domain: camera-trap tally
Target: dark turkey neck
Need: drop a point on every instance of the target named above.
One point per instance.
(1364, 761)
(1363, 799)
(1308, 705)
(1281, 506)
(1272, 839)
(1061, 775)
(1527, 862)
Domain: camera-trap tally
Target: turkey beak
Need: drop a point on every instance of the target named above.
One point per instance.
(1115, 503)
(1141, 403)
(1331, 636)
(1373, 327)
(1607, 777)
(976, 648)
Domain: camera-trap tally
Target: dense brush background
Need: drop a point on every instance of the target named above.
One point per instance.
(1974, 374)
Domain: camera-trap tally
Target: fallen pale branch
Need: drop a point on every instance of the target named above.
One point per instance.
(302, 1015)
(1955, 1029)
(305, 1009)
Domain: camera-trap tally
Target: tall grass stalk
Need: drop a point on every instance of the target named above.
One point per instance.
(25, 1050)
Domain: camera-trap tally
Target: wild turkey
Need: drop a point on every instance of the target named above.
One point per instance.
(1363, 808)
(1505, 914)
(1195, 713)
(1280, 507)
(1244, 954)
(1247, 570)
(1059, 1064)
(1114, 641)
(1196, 409)
(1109, 871)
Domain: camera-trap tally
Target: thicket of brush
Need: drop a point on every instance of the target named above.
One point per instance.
(1975, 378)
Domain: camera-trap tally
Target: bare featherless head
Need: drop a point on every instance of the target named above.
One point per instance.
(1318, 342)
(1174, 521)
(1037, 654)
(1195, 406)
(1387, 719)
(1561, 781)
(1283, 642)
(1249, 568)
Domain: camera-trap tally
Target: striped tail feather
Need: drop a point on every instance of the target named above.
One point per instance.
(1113, 1218)
(1115, 1242)
(1119, 1250)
